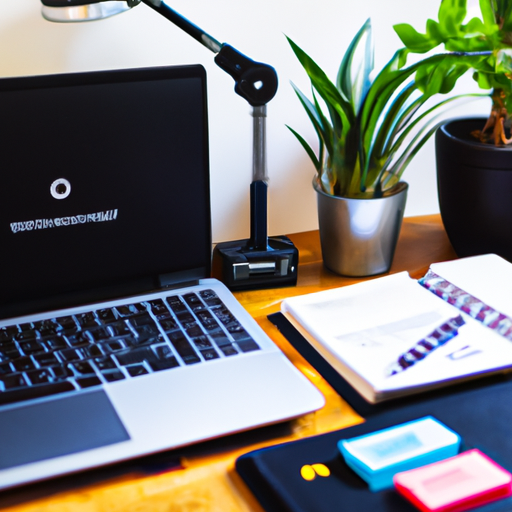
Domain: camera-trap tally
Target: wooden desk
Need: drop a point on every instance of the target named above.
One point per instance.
(207, 482)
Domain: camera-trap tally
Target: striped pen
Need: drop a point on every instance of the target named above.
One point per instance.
(437, 338)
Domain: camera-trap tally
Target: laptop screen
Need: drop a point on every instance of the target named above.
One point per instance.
(104, 184)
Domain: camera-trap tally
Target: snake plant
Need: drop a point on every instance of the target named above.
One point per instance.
(369, 127)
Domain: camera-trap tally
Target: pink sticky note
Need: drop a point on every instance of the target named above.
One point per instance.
(456, 484)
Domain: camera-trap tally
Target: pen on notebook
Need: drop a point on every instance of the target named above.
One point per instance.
(438, 337)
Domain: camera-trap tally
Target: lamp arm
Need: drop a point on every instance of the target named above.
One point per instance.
(254, 81)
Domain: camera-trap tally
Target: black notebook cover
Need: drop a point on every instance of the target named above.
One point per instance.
(481, 416)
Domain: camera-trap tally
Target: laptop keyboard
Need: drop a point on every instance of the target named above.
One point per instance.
(106, 345)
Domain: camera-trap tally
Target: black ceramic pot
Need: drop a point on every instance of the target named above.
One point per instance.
(475, 190)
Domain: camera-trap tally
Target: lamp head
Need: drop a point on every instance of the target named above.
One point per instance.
(254, 81)
(84, 10)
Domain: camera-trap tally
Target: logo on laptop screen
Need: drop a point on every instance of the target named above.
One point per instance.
(60, 189)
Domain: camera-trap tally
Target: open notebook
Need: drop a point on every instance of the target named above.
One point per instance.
(394, 336)
(114, 342)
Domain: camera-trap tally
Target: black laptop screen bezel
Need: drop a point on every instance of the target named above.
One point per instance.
(12, 301)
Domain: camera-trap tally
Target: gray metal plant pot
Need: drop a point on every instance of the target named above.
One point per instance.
(358, 236)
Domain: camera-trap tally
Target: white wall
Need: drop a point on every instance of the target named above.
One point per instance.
(30, 45)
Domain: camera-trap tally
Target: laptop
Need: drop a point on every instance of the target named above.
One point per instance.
(114, 341)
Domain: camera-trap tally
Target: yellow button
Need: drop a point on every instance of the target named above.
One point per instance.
(308, 473)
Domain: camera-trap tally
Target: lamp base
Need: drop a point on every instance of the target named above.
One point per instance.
(241, 267)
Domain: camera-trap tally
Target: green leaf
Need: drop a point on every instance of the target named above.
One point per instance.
(504, 61)
(320, 123)
(413, 40)
(411, 151)
(403, 119)
(392, 117)
(451, 16)
(484, 80)
(326, 136)
(507, 17)
(355, 85)
(322, 127)
(362, 79)
(325, 88)
(384, 86)
(309, 150)
(441, 76)
(487, 10)
(311, 110)
(478, 29)
(344, 79)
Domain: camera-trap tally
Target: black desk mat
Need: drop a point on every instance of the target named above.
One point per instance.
(480, 411)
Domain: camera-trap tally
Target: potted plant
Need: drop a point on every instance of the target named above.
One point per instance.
(474, 156)
(368, 131)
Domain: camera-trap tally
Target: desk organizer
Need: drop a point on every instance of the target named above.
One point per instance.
(456, 484)
(378, 456)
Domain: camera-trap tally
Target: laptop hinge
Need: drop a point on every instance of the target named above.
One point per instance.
(181, 279)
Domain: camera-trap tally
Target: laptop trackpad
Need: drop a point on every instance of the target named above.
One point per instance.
(58, 427)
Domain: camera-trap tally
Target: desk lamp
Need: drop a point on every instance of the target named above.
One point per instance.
(259, 262)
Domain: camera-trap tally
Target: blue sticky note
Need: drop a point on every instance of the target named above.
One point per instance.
(378, 456)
